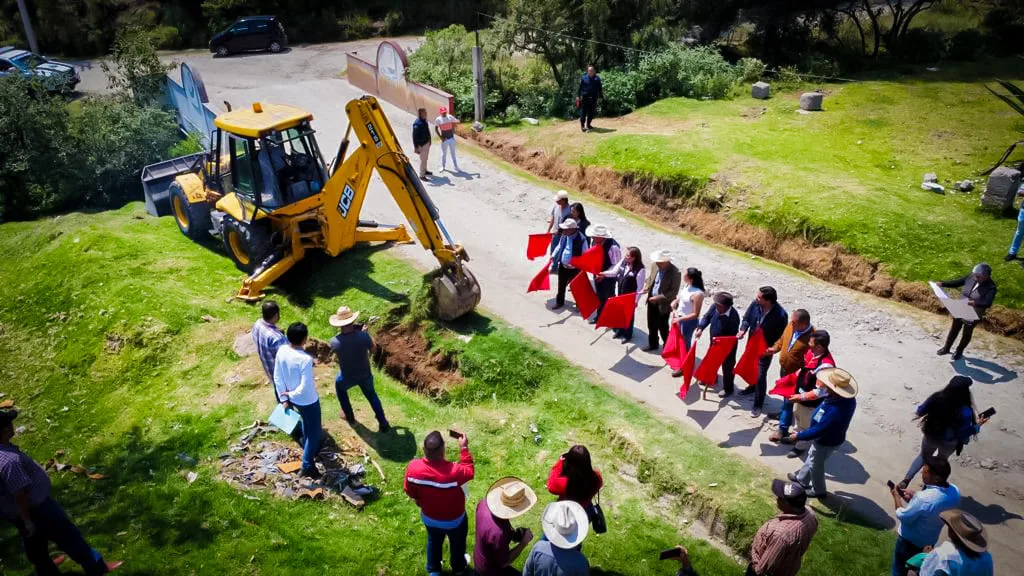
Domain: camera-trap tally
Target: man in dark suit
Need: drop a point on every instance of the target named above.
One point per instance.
(980, 291)
(724, 321)
(661, 287)
(763, 314)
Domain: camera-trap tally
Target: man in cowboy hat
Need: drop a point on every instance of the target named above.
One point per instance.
(25, 502)
(964, 554)
(780, 543)
(601, 236)
(352, 346)
(661, 287)
(506, 499)
(444, 125)
(980, 292)
(828, 429)
(559, 212)
(565, 526)
(919, 513)
(571, 243)
(724, 320)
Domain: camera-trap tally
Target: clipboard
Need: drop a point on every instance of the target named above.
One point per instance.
(284, 420)
(957, 307)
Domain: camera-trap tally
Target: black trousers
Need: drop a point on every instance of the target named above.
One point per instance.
(728, 378)
(605, 288)
(657, 323)
(762, 381)
(565, 275)
(954, 331)
(588, 109)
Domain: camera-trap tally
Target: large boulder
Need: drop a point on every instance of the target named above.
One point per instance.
(811, 101)
(1002, 187)
(760, 90)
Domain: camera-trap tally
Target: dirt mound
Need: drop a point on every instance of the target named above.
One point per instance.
(404, 353)
(320, 351)
(693, 206)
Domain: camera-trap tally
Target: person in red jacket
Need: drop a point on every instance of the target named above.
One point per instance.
(435, 484)
(574, 478)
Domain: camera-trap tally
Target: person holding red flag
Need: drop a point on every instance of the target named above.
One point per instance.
(763, 314)
(661, 288)
(559, 212)
(571, 243)
(687, 308)
(724, 321)
(601, 236)
(808, 395)
(628, 275)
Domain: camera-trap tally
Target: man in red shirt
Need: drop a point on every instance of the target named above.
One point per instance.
(435, 484)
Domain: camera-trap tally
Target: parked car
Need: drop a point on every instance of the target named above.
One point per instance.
(249, 34)
(55, 76)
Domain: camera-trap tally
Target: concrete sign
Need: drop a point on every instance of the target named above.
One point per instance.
(386, 79)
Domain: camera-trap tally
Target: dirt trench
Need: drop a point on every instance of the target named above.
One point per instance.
(404, 353)
(693, 208)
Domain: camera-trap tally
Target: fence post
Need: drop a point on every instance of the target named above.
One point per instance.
(26, 20)
(478, 81)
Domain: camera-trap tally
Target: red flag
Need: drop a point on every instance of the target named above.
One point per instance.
(687, 368)
(785, 386)
(538, 245)
(584, 295)
(617, 312)
(541, 281)
(748, 368)
(707, 372)
(673, 350)
(590, 261)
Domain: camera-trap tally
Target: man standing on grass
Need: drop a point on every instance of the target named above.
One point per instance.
(506, 499)
(724, 321)
(26, 503)
(1018, 237)
(763, 314)
(435, 484)
(589, 92)
(444, 125)
(980, 292)
(296, 388)
(352, 347)
(268, 339)
(780, 544)
(919, 513)
(421, 141)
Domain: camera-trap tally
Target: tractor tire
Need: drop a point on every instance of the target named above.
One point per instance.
(248, 245)
(193, 218)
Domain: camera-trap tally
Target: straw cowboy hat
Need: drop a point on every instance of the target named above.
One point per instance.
(568, 224)
(561, 195)
(600, 231)
(565, 524)
(839, 381)
(970, 531)
(661, 256)
(343, 317)
(510, 498)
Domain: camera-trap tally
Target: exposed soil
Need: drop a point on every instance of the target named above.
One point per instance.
(404, 353)
(320, 351)
(684, 205)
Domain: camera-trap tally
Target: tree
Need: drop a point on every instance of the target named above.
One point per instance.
(134, 70)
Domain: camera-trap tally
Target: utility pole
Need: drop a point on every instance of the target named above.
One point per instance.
(478, 81)
(26, 21)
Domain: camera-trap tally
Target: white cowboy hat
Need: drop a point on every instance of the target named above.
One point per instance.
(839, 381)
(561, 195)
(600, 231)
(565, 524)
(343, 317)
(661, 256)
(510, 498)
(568, 224)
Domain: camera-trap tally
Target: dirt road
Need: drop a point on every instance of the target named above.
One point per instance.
(890, 348)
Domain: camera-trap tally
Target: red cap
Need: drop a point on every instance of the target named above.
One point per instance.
(443, 110)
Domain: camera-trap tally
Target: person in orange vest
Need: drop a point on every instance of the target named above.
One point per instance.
(444, 125)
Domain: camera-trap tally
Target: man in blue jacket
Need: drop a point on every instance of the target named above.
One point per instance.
(763, 314)
(421, 141)
(828, 428)
(586, 97)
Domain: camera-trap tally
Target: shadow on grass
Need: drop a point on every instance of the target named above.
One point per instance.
(472, 324)
(396, 445)
(854, 509)
(982, 71)
(320, 276)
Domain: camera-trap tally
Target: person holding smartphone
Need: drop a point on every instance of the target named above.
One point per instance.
(506, 499)
(682, 555)
(919, 512)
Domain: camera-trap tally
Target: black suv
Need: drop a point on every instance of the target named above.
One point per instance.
(250, 33)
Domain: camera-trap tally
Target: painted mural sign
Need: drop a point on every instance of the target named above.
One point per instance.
(386, 79)
(190, 100)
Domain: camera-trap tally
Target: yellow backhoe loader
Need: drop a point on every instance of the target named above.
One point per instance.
(265, 191)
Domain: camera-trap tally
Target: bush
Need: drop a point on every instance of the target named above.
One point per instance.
(699, 72)
(620, 90)
(356, 27)
(165, 37)
(966, 45)
(920, 46)
(819, 65)
(751, 69)
(134, 71)
(393, 22)
(1005, 29)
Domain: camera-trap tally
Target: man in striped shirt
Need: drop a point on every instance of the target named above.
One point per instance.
(780, 544)
(436, 485)
(444, 125)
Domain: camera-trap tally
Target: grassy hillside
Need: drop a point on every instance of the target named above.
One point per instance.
(850, 174)
(174, 389)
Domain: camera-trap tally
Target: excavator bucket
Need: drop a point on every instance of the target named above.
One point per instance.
(456, 293)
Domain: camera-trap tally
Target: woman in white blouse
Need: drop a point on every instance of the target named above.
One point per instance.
(686, 308)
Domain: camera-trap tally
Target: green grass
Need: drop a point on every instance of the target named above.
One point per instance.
(69, 283)
(850, 174)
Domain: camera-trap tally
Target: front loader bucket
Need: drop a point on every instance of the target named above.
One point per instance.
(453, 297)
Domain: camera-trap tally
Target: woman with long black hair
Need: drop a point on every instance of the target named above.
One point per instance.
(629, 277)
(948, 421)
(574, 478)
(688, 305)
(577, 213)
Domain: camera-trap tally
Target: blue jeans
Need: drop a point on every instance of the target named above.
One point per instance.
(687, 328)
(1018, 238)
(812, 474)
(341, 388)
(456, 547)
(785, 417)
(311, 431)
(53, 525)
(905, 550)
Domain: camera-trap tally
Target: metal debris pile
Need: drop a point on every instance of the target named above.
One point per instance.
(256, 462)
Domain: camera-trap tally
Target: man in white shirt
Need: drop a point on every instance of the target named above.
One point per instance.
(444, 125)
(296, 389)
(964, 554)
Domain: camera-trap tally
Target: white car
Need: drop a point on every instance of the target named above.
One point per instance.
(56, 76)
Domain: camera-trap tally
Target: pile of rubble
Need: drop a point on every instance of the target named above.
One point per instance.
(257, 462)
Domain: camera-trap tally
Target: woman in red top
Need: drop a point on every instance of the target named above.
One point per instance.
(574, 478)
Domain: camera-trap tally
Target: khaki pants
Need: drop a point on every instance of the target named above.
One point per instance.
(424, 152)
(802, 420)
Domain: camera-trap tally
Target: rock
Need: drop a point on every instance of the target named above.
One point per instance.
(531, 121)
(244, 345)
(1001, 189)
(988, 464)
(931, 177)
(965, 185)
(811, 101)
(933, 187)
(760, 90)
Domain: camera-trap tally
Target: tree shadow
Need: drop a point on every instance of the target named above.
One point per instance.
(984, 371)
(988, 513)
(318, 276)
(396, 445)
(740, 438)
(854, 509)
(985, 70)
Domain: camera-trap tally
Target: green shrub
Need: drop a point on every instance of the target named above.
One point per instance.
(751, 69)
(699, 72)
(393, 22)
(819, 65)
(920, 46)
(165, 37)
(620, 90)
(966, 45)
(356, 27)
(190, 144)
